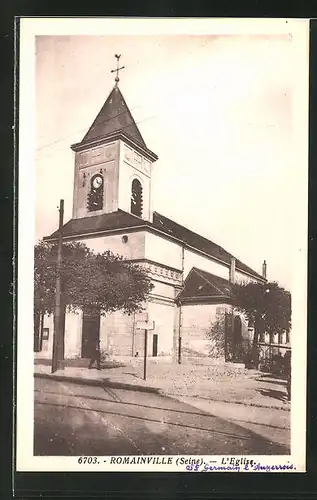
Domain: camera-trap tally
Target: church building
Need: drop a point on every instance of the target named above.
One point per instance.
(112, 210)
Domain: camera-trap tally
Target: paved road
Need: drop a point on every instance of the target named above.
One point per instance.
(73, 419)
(271, 423)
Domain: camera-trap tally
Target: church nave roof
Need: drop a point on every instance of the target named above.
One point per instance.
(123, 220)
(195, 240)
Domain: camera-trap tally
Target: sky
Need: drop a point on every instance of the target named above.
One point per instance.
(218, 112)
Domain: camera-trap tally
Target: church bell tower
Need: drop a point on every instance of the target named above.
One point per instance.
(112, 163)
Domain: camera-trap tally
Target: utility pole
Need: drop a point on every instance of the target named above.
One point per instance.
(179, 357)
(133, 334)
(145, 352)
(57, 347)
(145, 325)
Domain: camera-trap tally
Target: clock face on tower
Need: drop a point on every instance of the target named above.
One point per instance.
(97, 181)
(95, 196)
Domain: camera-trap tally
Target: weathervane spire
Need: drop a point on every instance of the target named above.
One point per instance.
(117, 69)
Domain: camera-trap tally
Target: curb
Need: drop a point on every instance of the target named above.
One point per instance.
(176, 396)
(142, 388)
(98, 382)
(256, 405)
(233, 420)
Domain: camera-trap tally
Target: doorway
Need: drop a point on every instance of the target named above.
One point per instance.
(155, 344)
(90, 334)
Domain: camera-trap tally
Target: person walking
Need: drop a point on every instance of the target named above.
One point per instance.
(95, 355)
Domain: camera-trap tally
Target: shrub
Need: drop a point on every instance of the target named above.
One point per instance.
(216, 337)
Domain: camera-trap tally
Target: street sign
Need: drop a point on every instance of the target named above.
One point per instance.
(145, 325)
(142, 316)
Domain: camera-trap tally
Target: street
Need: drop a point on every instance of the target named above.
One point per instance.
(73, 419)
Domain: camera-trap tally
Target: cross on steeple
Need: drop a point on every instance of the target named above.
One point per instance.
(118, 69)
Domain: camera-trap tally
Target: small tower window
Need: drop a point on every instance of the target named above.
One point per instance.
(136, 198)
(95, 195)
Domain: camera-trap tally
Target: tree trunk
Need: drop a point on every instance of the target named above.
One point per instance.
(37, 318)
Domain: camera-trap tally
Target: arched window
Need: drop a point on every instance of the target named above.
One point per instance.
(136, 198)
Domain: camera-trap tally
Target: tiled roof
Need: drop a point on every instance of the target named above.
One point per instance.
(121, 220)
(113, 117)
(202, 285)
(97, 223)
(195, 240)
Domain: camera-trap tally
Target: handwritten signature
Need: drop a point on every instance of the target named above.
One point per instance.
(238, 465)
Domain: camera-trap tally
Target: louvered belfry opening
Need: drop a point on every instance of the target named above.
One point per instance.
(136, 198)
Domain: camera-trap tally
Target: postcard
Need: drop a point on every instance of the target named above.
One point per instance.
(162, 244)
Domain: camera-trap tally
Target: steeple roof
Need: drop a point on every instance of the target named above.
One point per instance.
(114, 117)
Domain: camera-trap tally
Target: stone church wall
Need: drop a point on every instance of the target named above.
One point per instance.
(160, 250)
(83, 187)
(127, 173)
(98, 159)
(120, 337)
(163, 315)
(73, 330)
(47, 345)
(73, 337)
(116, 334)
(196, 320)
(163, 290)
(134, 248)
(192, 259)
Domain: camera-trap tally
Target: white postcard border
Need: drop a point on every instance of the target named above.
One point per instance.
(30, 27)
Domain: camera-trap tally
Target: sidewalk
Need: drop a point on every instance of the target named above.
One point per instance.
(111, 377)
(270, 423)
(223, 383)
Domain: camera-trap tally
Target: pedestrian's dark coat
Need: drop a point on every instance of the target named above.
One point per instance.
(95, 354)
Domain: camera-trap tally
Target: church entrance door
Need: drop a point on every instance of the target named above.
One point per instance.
(90, 334)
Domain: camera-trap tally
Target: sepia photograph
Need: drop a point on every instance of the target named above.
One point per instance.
(163, 178)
